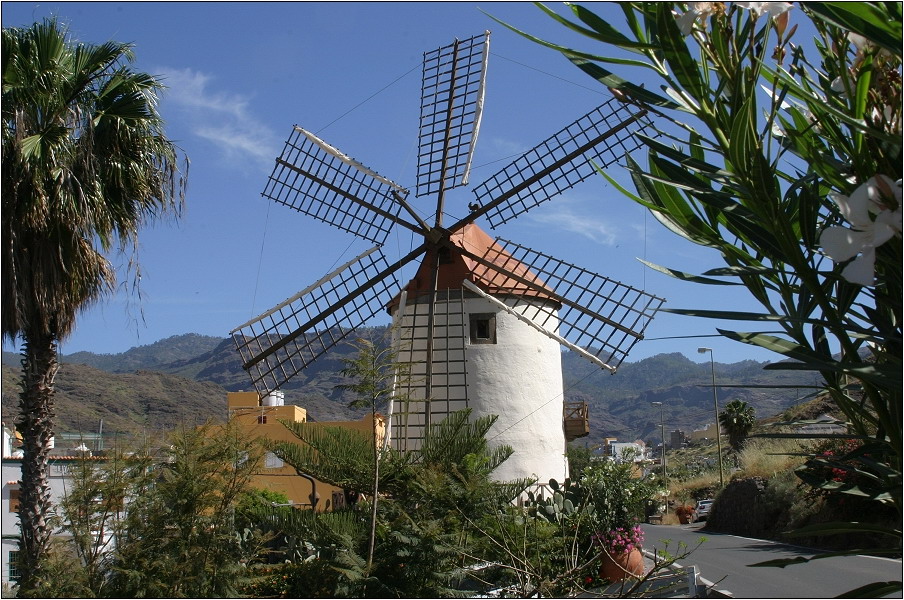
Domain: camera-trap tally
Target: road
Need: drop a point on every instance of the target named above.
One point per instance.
(723, 559)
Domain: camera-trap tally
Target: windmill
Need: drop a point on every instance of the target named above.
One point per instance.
(483, 321)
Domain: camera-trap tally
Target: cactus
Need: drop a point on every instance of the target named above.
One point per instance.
(566, 502)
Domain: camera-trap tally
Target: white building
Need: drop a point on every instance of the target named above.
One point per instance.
(621, 450)
(484, 358)
(59, 481)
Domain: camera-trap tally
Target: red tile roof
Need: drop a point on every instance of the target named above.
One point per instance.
(473, 239)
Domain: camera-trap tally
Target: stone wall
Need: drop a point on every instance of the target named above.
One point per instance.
(762, 508)
(744, 508)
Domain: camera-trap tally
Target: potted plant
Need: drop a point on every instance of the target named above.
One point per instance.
(619, 496)
(621, 555)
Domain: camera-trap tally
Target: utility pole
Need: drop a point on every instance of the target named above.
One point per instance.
(712, 366)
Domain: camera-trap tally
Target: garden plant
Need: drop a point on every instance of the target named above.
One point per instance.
(779, 146)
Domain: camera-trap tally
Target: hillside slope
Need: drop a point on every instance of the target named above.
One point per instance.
(188, 377)
(126, 402)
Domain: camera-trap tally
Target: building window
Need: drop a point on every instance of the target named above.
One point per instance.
(262, 420)
(483, 328)
(13, 565)
(14, 500)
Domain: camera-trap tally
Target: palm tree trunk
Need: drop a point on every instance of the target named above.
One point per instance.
(35, 423)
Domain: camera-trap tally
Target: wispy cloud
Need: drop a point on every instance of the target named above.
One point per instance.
(219, 117)
(497, 151)
(564, 219)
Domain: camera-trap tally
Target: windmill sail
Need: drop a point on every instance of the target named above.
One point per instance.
(601, 315)
(597, 140)
(430, 395)
(278, 344)
(318, 180)
(451, 107)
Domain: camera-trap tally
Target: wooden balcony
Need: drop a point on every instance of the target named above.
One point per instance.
(576, 420)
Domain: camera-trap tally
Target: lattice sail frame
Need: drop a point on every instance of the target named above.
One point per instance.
(277, 345)
(452, 96)
(315, 178)
(596, 140)
(599, 314)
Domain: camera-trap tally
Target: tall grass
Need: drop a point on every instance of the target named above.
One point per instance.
(765, 457)
(689, 490)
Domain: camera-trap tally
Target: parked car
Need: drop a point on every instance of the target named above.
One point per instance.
(702, 509)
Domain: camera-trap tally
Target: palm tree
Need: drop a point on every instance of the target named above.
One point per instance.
(737, 420)
(85, 165)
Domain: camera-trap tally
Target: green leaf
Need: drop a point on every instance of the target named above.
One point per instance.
(677, 56)
(878, 589)
(685, 277)
(601, 30)
(740, 271)
(569, 51)
(742, 135)
(31, 146)
(814, 361)
(736, 216)
(668, 207)
(883, 27)
(864, 82)
(624, 190)
(609, 79)
(824, 111)
(673, 174)
(731, 315)
(683, 159)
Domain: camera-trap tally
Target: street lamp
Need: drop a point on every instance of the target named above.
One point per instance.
(665, 475)
(712, 366)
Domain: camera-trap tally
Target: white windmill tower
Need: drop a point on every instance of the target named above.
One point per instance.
(482, 322)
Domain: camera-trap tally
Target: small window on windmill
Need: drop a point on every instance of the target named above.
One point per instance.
(444, 255)
(483, 328)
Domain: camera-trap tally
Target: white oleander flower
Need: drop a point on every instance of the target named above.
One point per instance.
(695, 11)
(874, 212)
(773, 9)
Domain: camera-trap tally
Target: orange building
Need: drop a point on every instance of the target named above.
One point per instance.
(260, 418)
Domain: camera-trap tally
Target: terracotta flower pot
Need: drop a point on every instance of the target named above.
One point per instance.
(621, 566)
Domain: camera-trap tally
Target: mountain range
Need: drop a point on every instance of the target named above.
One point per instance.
(184, 380)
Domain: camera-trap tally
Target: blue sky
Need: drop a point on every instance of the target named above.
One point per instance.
(239, 75)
